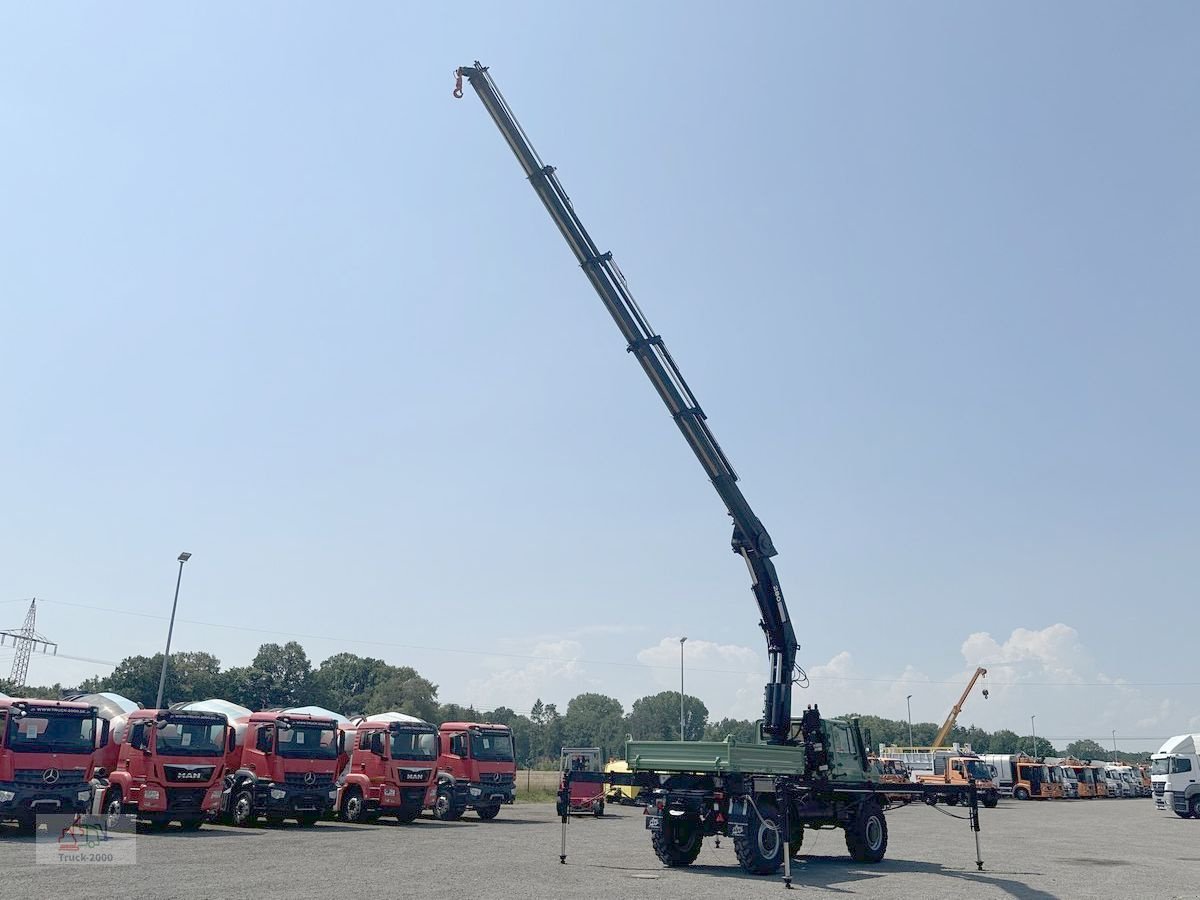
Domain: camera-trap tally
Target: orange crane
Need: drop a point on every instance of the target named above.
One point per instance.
(953, 717)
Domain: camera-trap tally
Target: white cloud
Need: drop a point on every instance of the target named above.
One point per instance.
(555, 671)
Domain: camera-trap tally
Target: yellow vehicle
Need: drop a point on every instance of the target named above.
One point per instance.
(1084, 776)
(955, 765)
(622, 794)
(893, 771)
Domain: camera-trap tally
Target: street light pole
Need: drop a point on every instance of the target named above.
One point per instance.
(1033, 727)
(1114, 746)
(908, 700)
(682, 640)
(162, 678)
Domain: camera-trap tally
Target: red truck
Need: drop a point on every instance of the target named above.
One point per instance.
(163, 765)
(389, 767)
(476, 769)
(46, 758)
(282, 764)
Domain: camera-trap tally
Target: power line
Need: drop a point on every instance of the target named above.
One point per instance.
(602, 662)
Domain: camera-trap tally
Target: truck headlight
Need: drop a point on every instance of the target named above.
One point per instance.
(333, 794)
(475, 792)
(152, 794)
(7, 796)
(277, 794)
(84, 796)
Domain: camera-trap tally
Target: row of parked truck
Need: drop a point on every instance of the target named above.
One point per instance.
(214, 759)
(1013, 775)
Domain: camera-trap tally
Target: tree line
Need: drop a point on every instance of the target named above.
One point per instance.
(283, 675)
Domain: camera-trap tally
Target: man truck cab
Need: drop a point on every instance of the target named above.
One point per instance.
(389, 768)
(164, 765)
(477, 757)
(46, 751)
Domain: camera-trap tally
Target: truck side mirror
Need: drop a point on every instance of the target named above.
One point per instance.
(341, 742)
(104, 725)
(375, 743)
(263, 741)
(231, 740)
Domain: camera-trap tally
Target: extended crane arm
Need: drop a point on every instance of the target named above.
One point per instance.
(750, 538)
(948, 725)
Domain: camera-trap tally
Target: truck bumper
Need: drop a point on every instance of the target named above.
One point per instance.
(488, 794)
(24, 801)
(290, 801)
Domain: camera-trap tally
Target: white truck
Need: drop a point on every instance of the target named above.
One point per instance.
(1174, 774)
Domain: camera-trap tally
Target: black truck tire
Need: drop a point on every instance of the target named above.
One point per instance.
(353, 806)
(678, 842)
(1020, 794)
(867, 834)
(760, 850)
(113, 807)
(241, 808)
(990, 799)
(191, 824)
(487, 812)
(308, 820)
(444, 807)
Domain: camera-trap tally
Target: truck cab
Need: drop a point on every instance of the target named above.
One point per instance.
(389, 768)
(1175, 776)
(1067, 777)
(282, 765)
(1021, 777)
(46, 758)
(956, 765)
(166, 765)
(476, 758)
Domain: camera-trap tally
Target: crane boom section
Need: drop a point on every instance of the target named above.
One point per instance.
(750, 537)
(948, 725)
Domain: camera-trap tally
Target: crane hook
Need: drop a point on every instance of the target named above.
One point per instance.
(458, 84)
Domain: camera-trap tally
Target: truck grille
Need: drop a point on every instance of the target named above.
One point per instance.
(296, 779)
(1159, 788)
(185, 799)
(38, 776)
(189, 774)
(496, 777)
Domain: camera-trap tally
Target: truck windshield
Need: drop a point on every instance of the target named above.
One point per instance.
(495, 746)
(307, 742)
(978, 771)
(50, 733)
(190, 738)
(1170, 765)
(411, 744)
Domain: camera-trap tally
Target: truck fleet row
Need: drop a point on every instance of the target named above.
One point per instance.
(215, 760)
(1014, 775)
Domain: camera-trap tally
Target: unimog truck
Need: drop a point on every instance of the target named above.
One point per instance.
(801, 774)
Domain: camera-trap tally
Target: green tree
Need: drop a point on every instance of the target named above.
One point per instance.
(1005, 741)
(344, 682)
(190, 676)
(288, 673)
(741, 730)
(594, 720)
(1087, 749)
(656, 718)
(405, 691)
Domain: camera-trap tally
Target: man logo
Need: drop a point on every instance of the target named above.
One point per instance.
(310, 778)
(50, 776)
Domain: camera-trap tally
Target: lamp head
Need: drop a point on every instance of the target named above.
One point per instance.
(184, 557)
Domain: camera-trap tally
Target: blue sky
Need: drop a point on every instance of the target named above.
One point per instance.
(272, 296)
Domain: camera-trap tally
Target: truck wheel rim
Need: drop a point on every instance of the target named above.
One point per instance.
(112, 812)
(768, 840)
(353, 807)
(874, 833)
(242, 809)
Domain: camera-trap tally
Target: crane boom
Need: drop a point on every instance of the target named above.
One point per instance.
(953, 717)
(750, 539)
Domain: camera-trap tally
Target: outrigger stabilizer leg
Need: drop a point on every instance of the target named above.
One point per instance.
(787, 840)
(564, 810)
(973, 819)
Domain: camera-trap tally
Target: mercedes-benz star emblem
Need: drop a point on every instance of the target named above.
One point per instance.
(310, 777)
(50, 776)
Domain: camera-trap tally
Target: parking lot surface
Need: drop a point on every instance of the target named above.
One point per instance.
(1098, 848)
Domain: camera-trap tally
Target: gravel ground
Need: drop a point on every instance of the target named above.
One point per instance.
(1082, 848)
